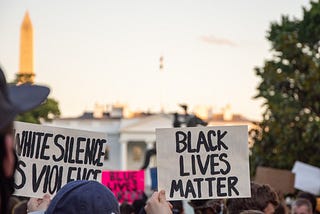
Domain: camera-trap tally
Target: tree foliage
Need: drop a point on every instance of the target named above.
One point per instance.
(290, 88)
(46, 111)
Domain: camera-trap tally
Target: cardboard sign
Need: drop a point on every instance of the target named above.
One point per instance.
(127, 186)
(307, 177)
(50, 157)
(280, 180)
(203, 162)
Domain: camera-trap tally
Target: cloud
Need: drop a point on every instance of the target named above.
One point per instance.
(210, 39)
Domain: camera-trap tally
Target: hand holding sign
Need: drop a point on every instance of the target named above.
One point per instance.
(158, 204)
(38, 204)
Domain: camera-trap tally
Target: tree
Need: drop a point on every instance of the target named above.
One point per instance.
(290, 88)
(46, 111)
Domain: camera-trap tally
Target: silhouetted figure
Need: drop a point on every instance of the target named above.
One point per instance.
(194, 121)
(14, 99)
(148, 155)
(190, 120)
(176, 122)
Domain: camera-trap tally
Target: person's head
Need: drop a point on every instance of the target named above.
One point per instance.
(263, 198)
(207, 206)
(310, 197)
(301, 206)
(282, 208)
(87, 197)
(126, 208)
(177, 207)
(13, 100)
(139, 204)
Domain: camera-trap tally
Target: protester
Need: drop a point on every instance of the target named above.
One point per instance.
(310, 197)
(263, 198)
(13, 100)
(126, 208)
(89, 197)
(282, 208)
(301, 206)
(206, 206)
(139, 204)
(177, 207)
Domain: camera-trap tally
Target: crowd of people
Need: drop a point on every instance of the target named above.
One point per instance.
(93, 197)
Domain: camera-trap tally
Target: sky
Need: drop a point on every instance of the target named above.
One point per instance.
(107, 52)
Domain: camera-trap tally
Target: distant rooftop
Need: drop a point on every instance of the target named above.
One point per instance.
(235, 118)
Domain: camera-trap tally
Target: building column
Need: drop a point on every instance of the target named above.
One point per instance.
(150, 145)
(124, 155)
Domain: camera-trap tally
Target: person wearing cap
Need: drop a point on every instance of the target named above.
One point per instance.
(81, 196)
(13, 101)
(91, 197)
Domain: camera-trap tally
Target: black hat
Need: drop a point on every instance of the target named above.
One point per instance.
(16, 99)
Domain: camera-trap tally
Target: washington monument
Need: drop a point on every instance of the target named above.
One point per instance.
(25, 73)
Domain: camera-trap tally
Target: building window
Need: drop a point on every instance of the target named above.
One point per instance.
(137, 153)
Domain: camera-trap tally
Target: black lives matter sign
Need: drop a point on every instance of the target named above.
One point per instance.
(49, 157)
(203, 162)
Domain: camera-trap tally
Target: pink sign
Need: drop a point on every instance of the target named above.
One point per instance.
(126, 185)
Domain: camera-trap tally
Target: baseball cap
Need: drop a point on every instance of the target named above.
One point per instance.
(85, 197)
(16, 99)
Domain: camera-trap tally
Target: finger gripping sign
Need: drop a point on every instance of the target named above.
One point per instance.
(203, 162)
(49, 157)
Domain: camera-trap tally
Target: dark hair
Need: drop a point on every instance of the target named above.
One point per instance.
(261, 196)
(281, 209)
(301, 202)
(310, 197)
(206, 206)
(139, 204)
(126, 208)
(177, 207)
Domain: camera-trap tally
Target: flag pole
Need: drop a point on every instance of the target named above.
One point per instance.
(161, 83)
